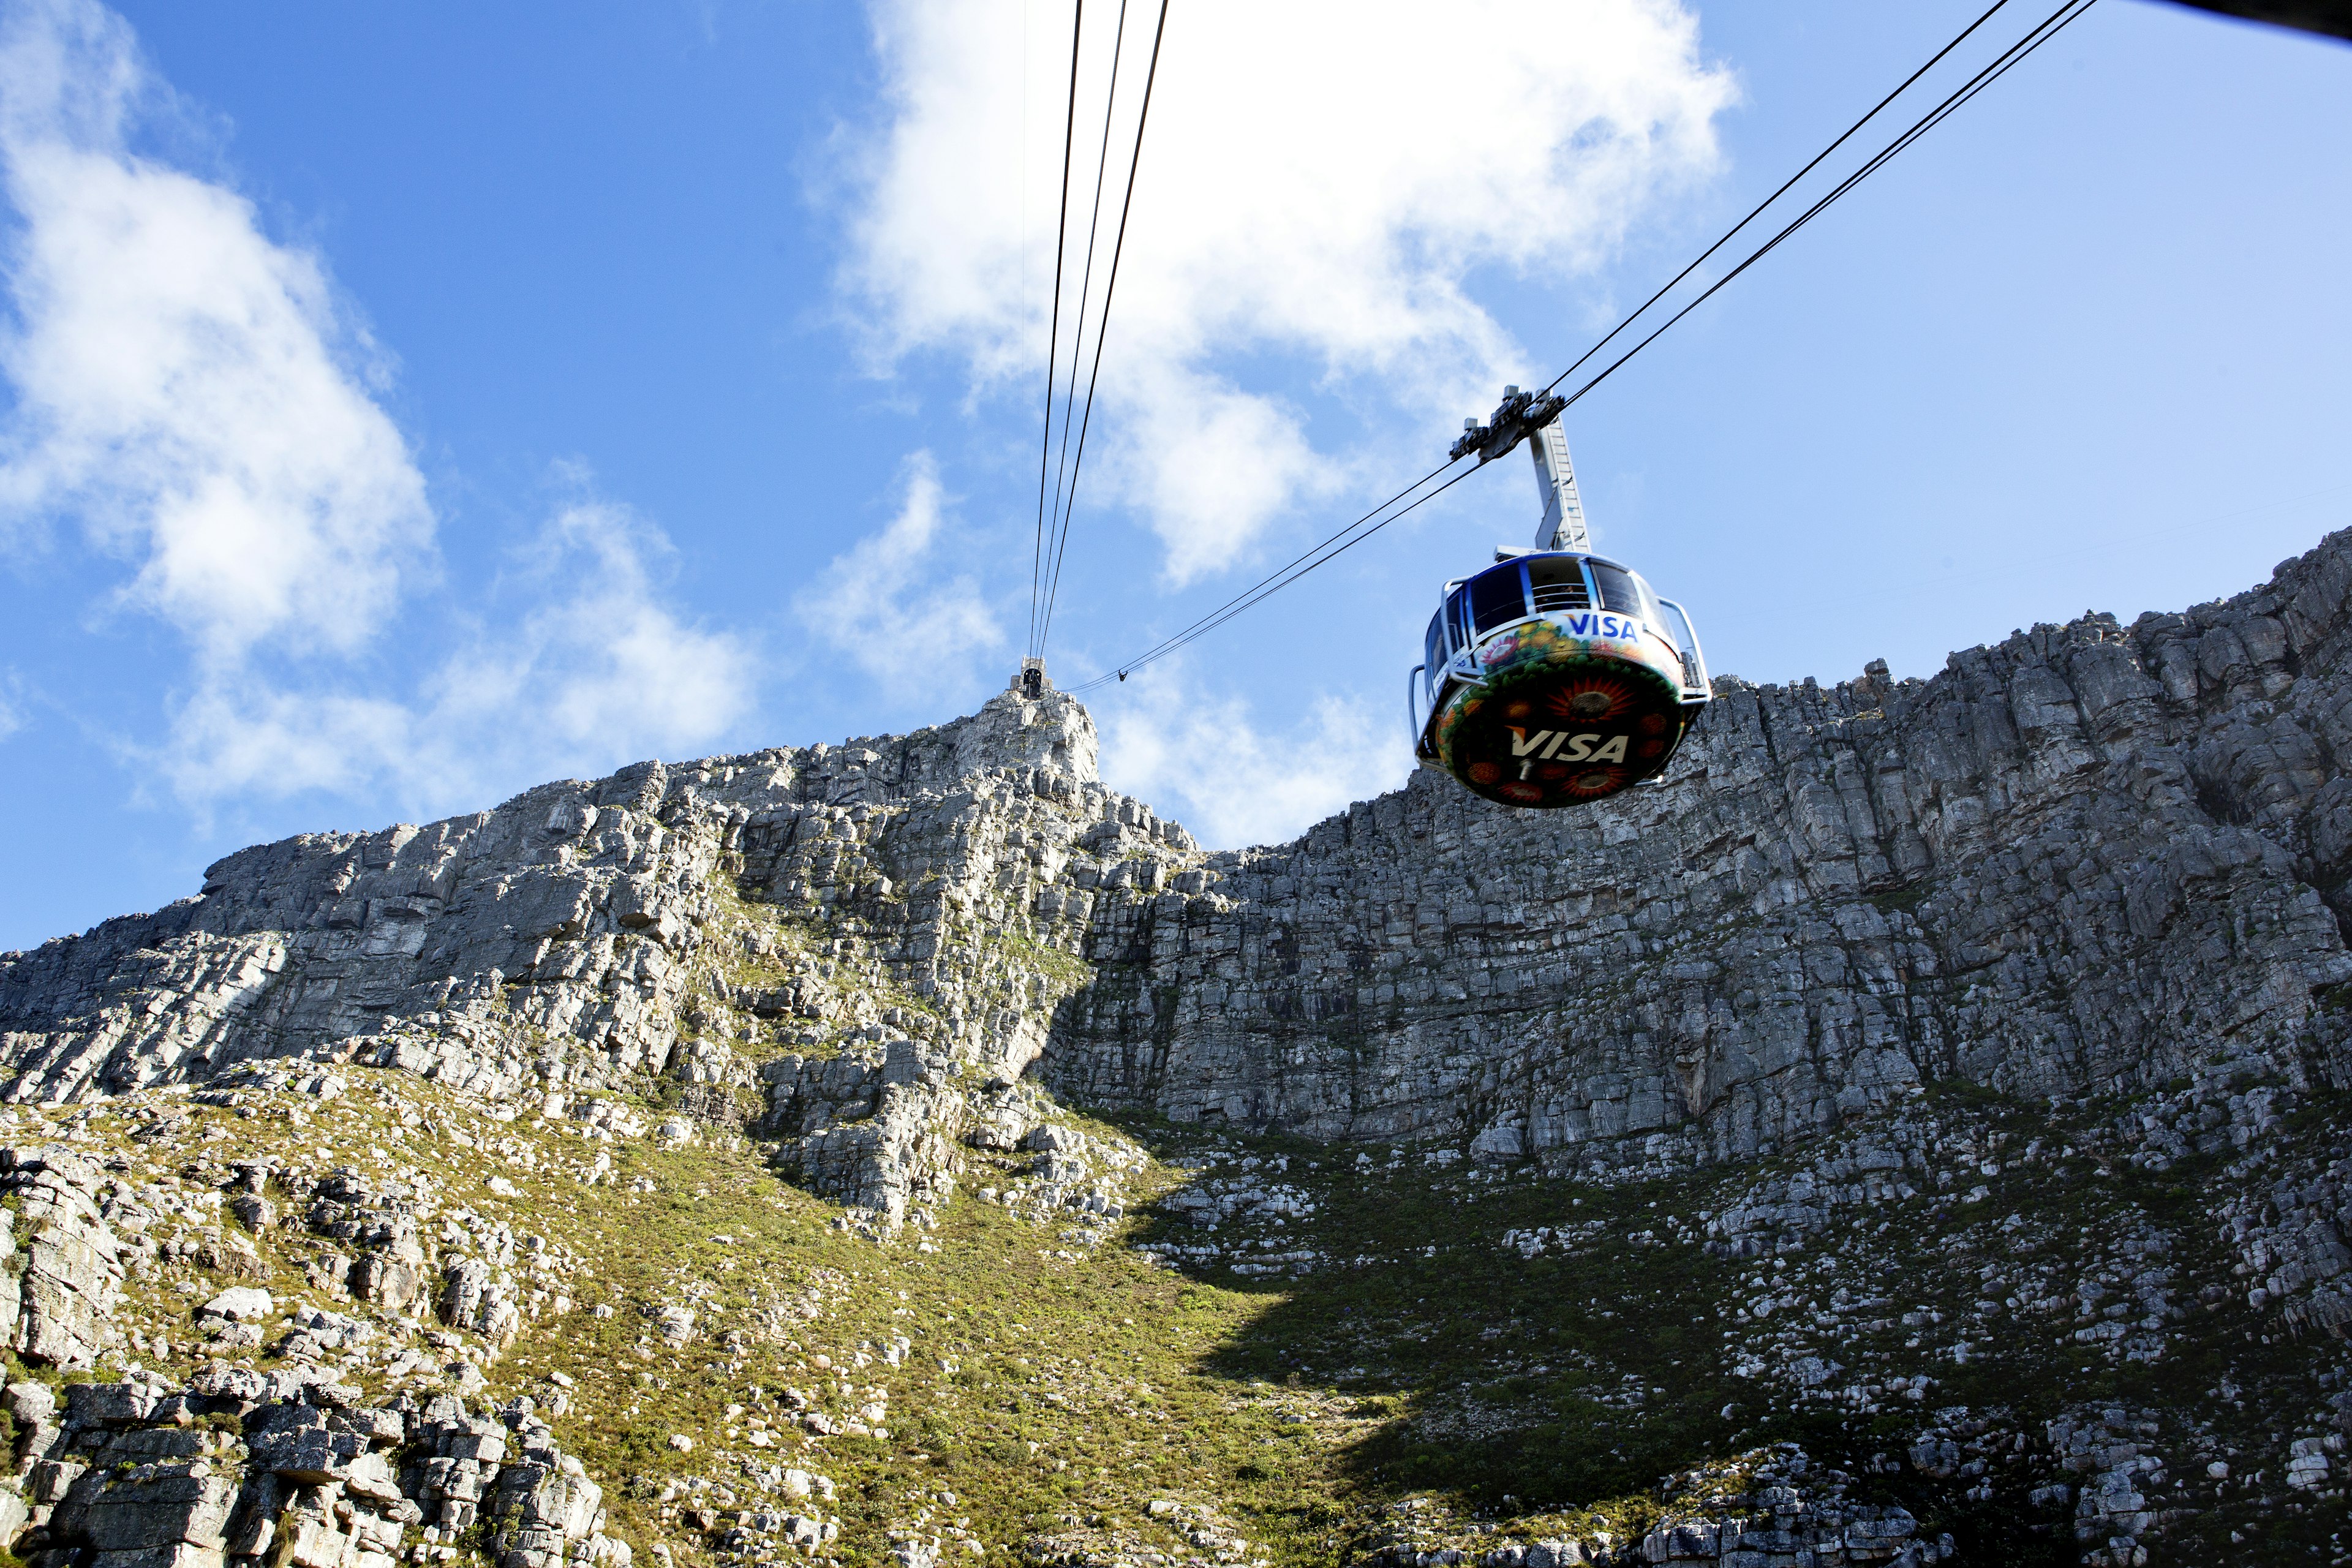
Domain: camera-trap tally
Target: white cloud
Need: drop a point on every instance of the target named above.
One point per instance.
(1321, 180)
(186, 388)
(584, 674)
(882, 605)
(12, 703)
(195, 397)
(604, 667)
(1208, 765)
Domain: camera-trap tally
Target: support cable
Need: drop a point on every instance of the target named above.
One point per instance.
(1078, 340)
(1054, 334)
(2046, 30)
(1357, 532)
(1843, 137)
(1290, 572)
(1102, 327)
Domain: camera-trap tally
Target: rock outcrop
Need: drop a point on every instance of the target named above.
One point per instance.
(568, 936)
(66, 1267)
(239, 1466)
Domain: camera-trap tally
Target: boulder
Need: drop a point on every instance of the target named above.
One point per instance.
(240, 1304)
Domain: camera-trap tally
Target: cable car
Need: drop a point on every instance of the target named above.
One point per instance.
(1554, 676)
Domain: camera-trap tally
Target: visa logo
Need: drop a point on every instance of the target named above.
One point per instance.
(1589, 625)
(1565, 747)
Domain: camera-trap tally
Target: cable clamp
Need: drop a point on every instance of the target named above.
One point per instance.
(1518, 417)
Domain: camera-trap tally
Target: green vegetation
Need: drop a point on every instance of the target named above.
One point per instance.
(1507, 1352)
(1901, 899)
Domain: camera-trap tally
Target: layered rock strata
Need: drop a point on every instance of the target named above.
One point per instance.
(241, 1466)
(2091, 859)
(2088, 859)
(926, 887)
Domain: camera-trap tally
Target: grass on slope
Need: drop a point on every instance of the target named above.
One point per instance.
(1421, 1372)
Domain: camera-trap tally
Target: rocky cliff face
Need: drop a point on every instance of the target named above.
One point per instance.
(2086, 860)
(2090, 860)
(1935, 1021)
(559, 937)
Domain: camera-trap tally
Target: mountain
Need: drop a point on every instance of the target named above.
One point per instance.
(1915, 1132)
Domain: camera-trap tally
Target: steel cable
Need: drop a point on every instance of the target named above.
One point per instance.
(1843, 137)
(1283, 577)
(1102, 326)
(1078, 340)
(2048, 28)
(1054, 334)
(1340, 541)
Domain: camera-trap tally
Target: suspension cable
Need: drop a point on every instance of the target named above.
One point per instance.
(1358, 532)
(1843, 137)
(1054, 333)
(1078, 340)
(2042, 32)
(1102, 325)
(1283, 577)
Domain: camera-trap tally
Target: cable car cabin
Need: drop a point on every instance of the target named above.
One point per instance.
(1554, 677)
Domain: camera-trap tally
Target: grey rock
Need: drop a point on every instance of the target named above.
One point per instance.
(381, 1221)
(70, 1276)
(476, 1298)
(52, 1479)
(385, 1280)
(2091, 860)
(549, 943)
(160, 1506)
(1997, 875)
(1053, 1139)
(302, 1448)
(253, 1524)
(2003, 875)
(573, 910)
(240, 1304)
(313, 1485)
(31, 1403)
(568, 1505)
(111, 1403)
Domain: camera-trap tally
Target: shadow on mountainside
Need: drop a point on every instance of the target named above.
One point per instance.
(1574, 1377)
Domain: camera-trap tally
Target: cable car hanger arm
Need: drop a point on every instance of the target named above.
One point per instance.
(1534, 417)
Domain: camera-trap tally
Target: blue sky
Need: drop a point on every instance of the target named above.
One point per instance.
(407, 404)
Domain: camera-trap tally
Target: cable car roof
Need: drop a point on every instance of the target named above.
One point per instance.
(1520, 554)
